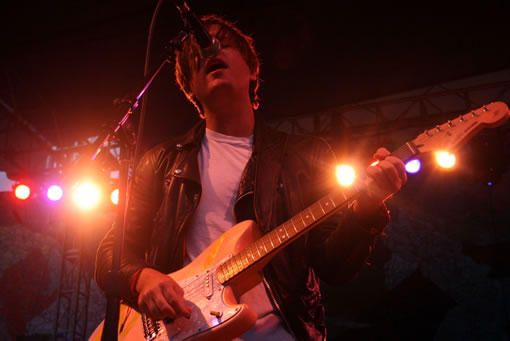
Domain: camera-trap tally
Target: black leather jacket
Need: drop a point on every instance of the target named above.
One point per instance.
(285, 174)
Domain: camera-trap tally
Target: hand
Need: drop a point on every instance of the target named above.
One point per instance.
(160, 296)
(384, 179)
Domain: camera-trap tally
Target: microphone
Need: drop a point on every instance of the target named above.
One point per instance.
(209, 45)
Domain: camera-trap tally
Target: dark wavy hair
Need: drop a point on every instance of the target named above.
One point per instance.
(189, 57)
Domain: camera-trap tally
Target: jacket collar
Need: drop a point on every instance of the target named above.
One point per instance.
(194, 136)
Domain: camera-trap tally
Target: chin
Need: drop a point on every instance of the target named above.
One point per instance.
(220, 87)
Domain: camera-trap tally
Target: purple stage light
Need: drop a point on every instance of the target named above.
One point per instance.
(413, 166)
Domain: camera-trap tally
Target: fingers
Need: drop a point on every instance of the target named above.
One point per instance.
(381, 154)
(386, 177)
(158, 308)
(400, 167)
(175, 297)
(163, 300)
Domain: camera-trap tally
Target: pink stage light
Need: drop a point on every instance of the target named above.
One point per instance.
(55, 193)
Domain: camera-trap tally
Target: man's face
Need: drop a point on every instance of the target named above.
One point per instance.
(221, 77)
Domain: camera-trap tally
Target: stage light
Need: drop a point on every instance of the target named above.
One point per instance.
(22, 192)
(86, 195)
(345, 175)
(413, 166)
(115, 196)
(55, 193)
(445, 159)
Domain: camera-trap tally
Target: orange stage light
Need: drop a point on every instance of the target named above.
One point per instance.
(345, 175)
(114, 197)
(86, 195)
(445, 159)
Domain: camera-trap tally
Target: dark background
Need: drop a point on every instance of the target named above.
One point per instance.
(64, 63)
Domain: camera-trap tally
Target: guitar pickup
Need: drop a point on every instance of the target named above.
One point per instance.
(208, 285)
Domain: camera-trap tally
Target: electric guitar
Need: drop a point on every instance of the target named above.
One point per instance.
(233, 263)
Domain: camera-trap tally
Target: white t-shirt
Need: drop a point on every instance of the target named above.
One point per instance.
(222, 160)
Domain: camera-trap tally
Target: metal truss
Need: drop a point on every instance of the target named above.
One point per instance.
(417, 109)
(73, 292)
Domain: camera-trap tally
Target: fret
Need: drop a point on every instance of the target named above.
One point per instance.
(261, 247)
(239, 263)
(307, 217)
(257, 251)
(318, 203)
(338, 198)
(224, 271)
(406, 151)
(236, 265)
(267, 243)
(244, 257)
(220, 275)
(317, 211)
(292, 229)
(274, 241)
(294, 226)
(270, 241)
(281, 233)
(327, 204)
(233, 265)
(231, 268)
(298, 222)
(251, 253)
(277, 236)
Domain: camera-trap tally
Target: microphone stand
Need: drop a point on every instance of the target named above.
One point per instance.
(111, 323)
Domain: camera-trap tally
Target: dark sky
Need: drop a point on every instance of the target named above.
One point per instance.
(64, 63)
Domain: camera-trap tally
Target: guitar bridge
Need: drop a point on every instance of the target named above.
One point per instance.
(151, 328)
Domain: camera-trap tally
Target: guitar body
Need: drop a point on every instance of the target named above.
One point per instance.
(216, 314)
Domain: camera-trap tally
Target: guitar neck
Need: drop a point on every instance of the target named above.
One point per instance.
(273, 242)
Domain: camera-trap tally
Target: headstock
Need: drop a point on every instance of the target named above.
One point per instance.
(456, 132)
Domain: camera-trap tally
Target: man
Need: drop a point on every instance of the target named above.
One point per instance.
(232, 167)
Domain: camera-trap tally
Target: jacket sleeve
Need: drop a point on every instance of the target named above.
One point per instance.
(338, 248)
(145, 191)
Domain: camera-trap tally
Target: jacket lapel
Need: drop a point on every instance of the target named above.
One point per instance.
(269, 151)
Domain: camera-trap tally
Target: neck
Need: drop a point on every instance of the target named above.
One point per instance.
(232, 121)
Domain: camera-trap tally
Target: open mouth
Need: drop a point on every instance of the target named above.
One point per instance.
(214, 65)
